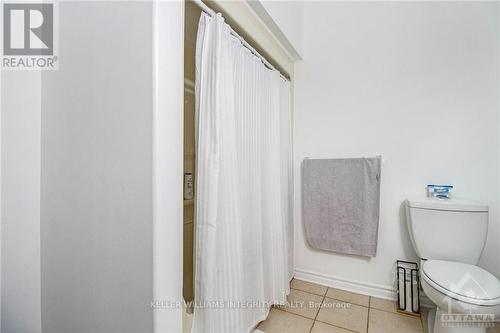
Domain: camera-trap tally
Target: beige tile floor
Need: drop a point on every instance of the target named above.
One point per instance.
(320, 309)
(313, 308)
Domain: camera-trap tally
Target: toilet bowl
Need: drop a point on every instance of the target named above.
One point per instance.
(449, 237)
(467, 297)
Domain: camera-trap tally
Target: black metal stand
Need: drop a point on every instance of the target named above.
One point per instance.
(405, 267)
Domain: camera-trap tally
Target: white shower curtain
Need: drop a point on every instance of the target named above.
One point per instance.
(243, 187)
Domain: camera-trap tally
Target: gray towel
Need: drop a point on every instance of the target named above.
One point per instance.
(341, 199)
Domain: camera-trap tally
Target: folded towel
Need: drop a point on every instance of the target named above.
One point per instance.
(341, 199)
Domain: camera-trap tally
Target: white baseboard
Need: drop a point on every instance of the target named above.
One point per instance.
(375, 290)
(370, 289)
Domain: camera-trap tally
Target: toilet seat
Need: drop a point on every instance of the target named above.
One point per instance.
(466, 283)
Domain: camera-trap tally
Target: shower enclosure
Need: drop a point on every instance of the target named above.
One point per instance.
(237, 144)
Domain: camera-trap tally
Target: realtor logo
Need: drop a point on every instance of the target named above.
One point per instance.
(28, 36)
(28, 29)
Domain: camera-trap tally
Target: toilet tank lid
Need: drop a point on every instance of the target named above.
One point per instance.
(452, 204)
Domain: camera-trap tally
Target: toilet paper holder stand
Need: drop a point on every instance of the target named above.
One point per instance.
(408, 287)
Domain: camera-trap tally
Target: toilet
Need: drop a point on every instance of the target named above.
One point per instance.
(448, 237)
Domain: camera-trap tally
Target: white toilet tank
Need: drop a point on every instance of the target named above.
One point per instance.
(447, 229)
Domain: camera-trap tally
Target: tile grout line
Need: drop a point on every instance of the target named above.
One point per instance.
(336, 326)
(305, 291)
(316, 318)
(366, 306)
(294, 314)
(369, 307)
(368, 317)
(352, 303)
(317, 313)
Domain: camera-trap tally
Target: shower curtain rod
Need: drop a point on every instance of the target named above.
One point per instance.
(211, 12)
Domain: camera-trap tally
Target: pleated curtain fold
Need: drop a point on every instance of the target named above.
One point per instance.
(244, 235)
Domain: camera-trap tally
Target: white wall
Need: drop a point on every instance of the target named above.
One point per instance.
(20, 205)
(168, 162)
(490, 257)
(418, 83)
(93, 146)
(288, 17)
(96, 180)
